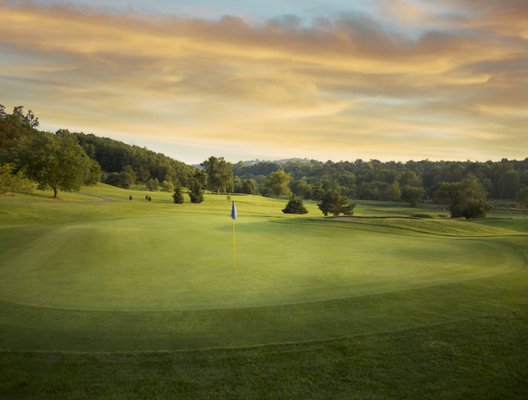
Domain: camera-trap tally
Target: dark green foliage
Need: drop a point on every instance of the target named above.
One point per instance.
(119, 179)
(412, 194)
(522, 197)
(177, 195)
(295, 206)
(140, 163)
(93, 173)
(475, 209)
(13, 127)
(509, 184)
(249, 186)
(333, 202)
(465, 199)
(196, 191)
(130, 197)
(53, 161)
(376, 180)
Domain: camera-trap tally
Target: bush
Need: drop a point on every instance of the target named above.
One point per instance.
(295, 206)
(196, 191)
(178, 195)
(10, 182)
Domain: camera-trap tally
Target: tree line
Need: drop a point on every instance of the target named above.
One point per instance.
(65, 160)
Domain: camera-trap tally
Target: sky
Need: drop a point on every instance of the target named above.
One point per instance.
(269, 79)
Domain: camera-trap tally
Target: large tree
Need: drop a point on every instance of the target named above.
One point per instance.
(465, 198)
(277, 183)
(219, 174)
(333, 202)
(55, 162)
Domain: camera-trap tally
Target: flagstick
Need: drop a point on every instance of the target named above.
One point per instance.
(234, 247)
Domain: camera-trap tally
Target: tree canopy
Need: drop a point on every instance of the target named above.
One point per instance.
(219, 174)
(277, 183)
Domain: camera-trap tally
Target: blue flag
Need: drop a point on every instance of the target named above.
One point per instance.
(233, 211)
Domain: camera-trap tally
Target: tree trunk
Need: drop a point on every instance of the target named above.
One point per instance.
(55, 191)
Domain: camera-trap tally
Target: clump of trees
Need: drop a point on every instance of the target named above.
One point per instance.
(466, 198)
(333, 202)
(219, 175)
(11, 181)
(295, 206)
(54, 161)
(411, 182)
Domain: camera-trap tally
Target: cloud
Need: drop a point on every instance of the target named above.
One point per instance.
(342, 84)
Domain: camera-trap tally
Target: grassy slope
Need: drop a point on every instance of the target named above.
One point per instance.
(420, 332)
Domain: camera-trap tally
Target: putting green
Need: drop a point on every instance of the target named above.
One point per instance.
(108, 274)
(182, 261)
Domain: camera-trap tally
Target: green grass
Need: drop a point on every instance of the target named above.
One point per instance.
(102, 297)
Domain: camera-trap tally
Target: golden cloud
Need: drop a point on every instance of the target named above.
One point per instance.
(337, 84)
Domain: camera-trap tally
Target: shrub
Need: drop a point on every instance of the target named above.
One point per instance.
(295, 206)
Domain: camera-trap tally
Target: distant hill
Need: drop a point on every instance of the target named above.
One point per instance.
(117, 157)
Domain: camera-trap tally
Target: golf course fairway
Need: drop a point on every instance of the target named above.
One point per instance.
(97, 275)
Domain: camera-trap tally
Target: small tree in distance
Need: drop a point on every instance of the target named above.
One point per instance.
(196, 191)
(295, 206)
(333, 202)
(178, 194)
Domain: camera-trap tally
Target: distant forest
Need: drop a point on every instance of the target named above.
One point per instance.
(377, 180)
(64, 160)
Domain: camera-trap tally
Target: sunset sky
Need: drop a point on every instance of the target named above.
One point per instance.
(270, 79)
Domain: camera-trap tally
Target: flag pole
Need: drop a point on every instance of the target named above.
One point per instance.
(234, 247)
(234, 217)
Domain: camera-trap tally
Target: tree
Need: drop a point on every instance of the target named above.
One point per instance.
(522, 197)
(465, 198)
(13, 182)
(277, 182)
(153, 184)
(167, 186)
(219, 174)
(249, 186)
(412, 194)
(295, 206)
(301, 188)
(333, 202)
(394, 192)
(509, 185)
(178, 194)
(93, 173)
(196, 191)
(54, 161)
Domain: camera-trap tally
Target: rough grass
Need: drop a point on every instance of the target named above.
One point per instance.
(102, 297)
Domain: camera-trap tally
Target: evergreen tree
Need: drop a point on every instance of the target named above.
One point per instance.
(196, 191)
(295, 206)
(178, 195)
